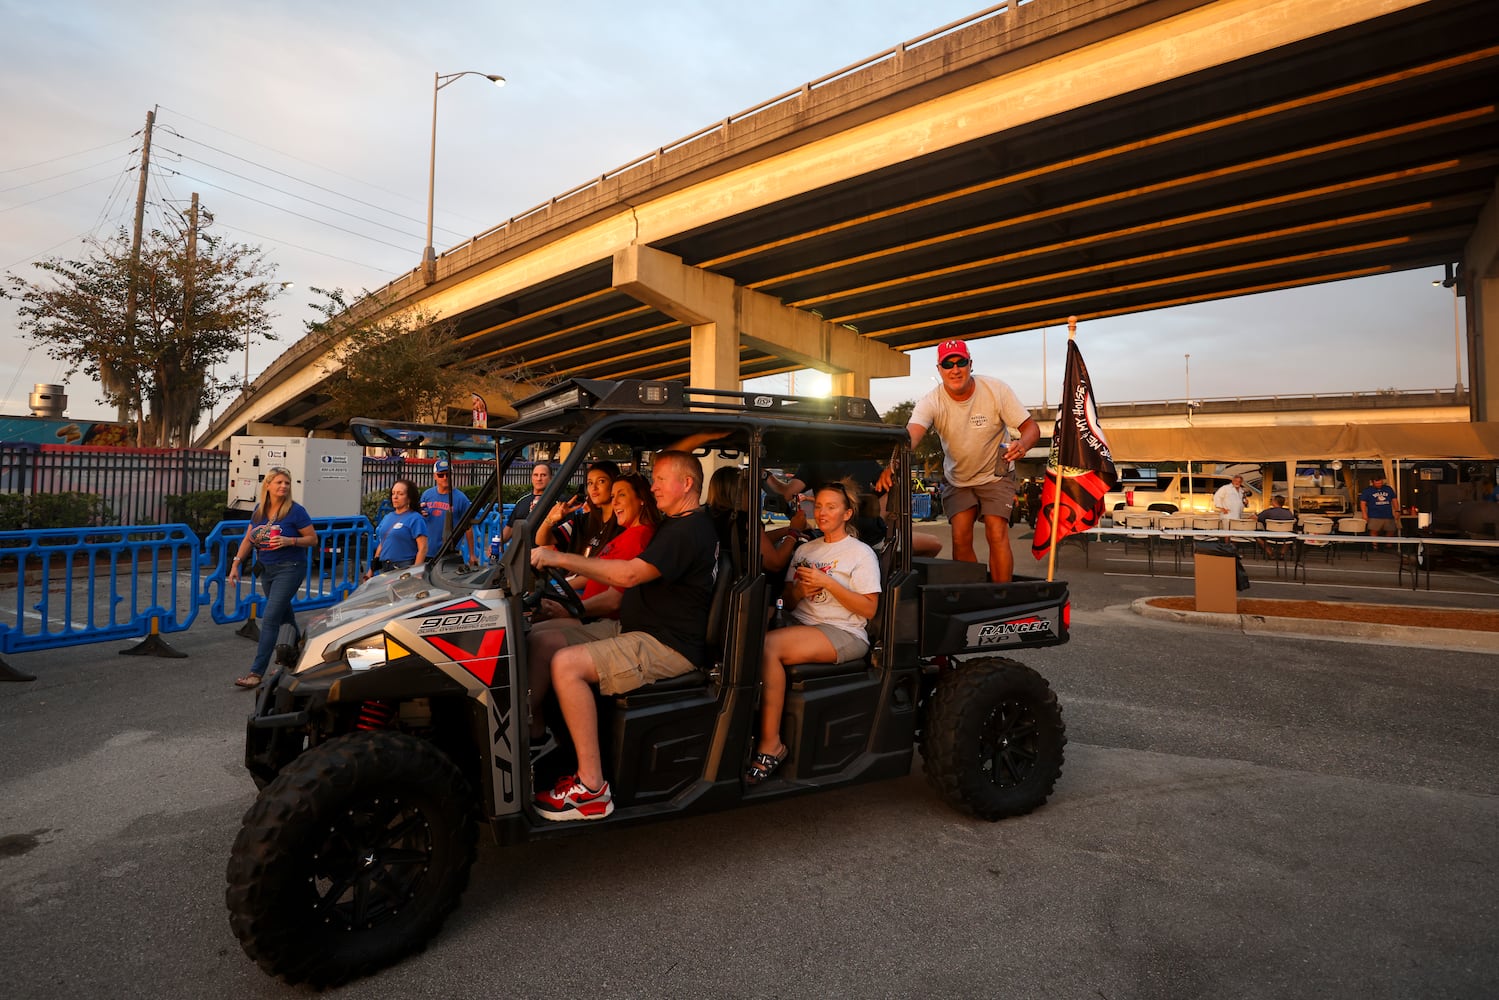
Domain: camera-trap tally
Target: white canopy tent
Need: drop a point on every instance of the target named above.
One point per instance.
(1291, 443)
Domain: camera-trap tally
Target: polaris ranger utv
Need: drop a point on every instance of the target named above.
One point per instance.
(403, 724)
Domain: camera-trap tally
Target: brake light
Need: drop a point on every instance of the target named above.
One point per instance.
(1067, 616)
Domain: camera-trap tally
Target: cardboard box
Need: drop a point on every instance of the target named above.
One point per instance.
(1216, 587)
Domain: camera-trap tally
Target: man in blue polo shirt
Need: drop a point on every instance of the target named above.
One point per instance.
(1377, 504)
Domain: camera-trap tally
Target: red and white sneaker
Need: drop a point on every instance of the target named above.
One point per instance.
(571, 799)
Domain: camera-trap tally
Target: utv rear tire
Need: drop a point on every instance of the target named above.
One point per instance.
(351, 859)
(994, 738)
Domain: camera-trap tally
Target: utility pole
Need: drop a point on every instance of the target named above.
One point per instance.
(192, 264)
(188, 281)
(109, 375)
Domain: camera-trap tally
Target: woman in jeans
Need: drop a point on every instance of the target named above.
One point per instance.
(279, 531)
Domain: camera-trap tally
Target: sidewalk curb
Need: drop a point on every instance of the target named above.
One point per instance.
(1321, 628)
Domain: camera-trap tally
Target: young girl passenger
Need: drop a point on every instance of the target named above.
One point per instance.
(833, 589)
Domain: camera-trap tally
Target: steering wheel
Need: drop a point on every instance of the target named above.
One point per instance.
(551, 582)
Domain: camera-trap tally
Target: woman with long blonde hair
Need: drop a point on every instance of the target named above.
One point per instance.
(280, 529)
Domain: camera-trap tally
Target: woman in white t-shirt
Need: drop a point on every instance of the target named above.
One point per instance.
(833, 589)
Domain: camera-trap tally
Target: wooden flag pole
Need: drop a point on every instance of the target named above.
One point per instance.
(1056, 506)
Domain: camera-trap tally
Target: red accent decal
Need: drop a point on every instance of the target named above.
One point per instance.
(481, 664)
(467, 605)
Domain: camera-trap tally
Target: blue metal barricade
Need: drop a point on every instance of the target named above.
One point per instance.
(334, 568)
(921, 506)
(82, 585)
(488, 526)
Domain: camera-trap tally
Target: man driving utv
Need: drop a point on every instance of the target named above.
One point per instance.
(663, 618)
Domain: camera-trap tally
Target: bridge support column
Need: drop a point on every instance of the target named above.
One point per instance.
(715, 356)
(722, 315)
(1478, 279)
(852, 384)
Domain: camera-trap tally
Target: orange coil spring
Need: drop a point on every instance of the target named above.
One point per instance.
(376, 715)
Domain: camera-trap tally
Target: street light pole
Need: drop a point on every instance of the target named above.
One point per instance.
(244, 386)
(1457, 334)
(439, 81)
(1188, 359)
(1451, 281)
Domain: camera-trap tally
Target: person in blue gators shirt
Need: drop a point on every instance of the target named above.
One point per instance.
(443, 506)
(1377, 504)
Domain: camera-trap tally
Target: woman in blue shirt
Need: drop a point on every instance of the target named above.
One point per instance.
(402, 535)
(280, 532)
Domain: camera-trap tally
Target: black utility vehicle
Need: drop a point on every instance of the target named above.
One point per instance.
(403, 724)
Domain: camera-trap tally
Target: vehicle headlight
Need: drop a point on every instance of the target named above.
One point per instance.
(365, 653)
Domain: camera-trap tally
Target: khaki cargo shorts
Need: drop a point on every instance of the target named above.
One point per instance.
(994, 499)
(624, 660)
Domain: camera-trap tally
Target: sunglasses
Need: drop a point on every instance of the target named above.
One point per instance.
(440, 475)
(956, 363)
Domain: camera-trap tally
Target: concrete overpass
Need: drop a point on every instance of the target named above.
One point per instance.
(1385, 406)
(1044, 158)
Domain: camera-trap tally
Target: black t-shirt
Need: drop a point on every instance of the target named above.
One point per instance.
(674, 606)
(522, 509)
(586, 532)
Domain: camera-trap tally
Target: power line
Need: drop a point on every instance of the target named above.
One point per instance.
(32, 257)
(397, 194)
(65, 173)
(55, 194)
(164, 195)
(291, 194)
(114, 193)
(66, 156)
(288, 211)
(301, 180)
(298, 246)
(20, 369)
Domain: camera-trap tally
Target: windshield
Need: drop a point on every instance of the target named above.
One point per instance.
(497, 444)
(374, 433)
(385, 590)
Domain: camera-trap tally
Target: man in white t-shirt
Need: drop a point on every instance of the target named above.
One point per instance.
(984, 429)
(1229, 500)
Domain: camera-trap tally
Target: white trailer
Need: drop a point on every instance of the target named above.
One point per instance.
(326, 473)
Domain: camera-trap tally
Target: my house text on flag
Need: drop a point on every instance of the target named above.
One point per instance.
(1080, 465)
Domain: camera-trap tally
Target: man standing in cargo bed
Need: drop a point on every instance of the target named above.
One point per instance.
(984, 429)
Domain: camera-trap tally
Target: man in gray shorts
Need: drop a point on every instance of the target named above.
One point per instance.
(661, 632)
(984, 429)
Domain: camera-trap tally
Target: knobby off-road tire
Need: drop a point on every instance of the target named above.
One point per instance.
(351, 859)
(994, 738)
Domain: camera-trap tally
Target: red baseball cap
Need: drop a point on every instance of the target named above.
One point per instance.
(948, 348)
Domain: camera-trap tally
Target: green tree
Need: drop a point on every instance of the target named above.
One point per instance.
(928, 456)
(188, 320)
(386, 363)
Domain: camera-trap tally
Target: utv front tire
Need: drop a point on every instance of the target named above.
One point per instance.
(994, 738)
(351, 859)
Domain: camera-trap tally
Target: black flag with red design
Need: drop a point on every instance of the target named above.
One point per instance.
(1080, 464)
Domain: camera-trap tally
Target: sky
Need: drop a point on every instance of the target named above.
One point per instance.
(305, 129)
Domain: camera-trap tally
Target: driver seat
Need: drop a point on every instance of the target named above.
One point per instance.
(660, 734)
(718, 619)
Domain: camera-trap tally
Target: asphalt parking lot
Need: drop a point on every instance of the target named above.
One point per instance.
(1239, 816)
